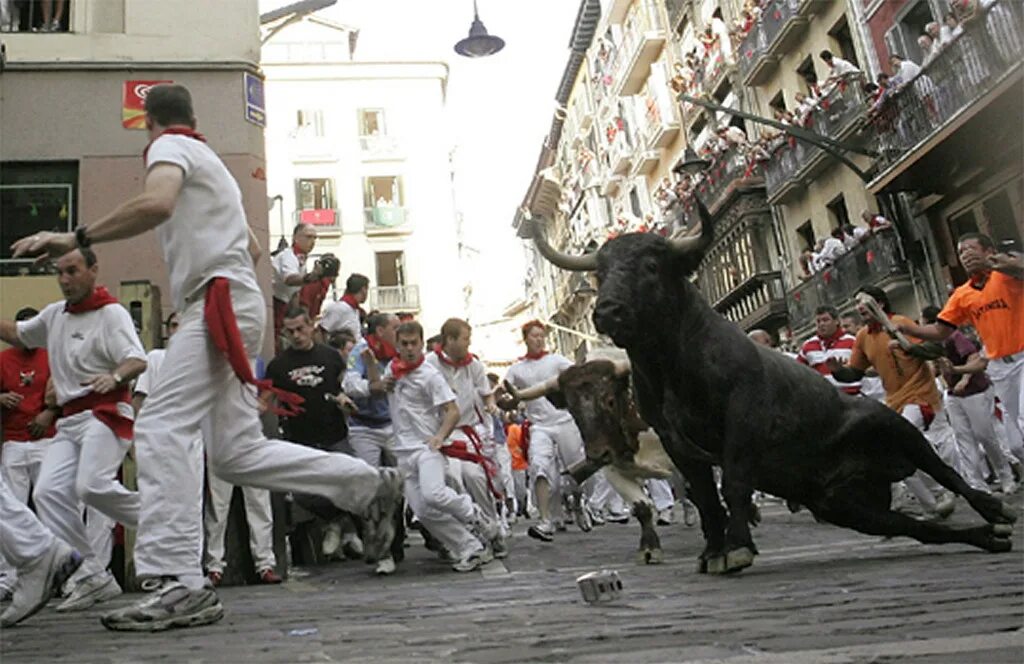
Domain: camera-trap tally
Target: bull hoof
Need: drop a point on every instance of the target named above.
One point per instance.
(1008, 513)
(717, 565)
(738, 559)
(998, 544)
(1002, 529)
(702, 565)
(650, 556)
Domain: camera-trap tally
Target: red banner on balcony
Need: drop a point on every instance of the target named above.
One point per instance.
(318, 217)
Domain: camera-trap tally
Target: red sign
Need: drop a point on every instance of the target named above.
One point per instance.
(133, 110)
(317, 217)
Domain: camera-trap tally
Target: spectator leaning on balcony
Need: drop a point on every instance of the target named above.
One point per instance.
(950, 29)
(929, 47)
(992, 300)
(875, 222)
(903, 70)
(290, 272)
(838, 69)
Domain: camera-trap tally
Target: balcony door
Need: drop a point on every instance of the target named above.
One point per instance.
(390, 268)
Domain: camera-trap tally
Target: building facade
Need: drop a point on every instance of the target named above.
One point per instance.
(359, 150)
(67, 156)
(916, 152)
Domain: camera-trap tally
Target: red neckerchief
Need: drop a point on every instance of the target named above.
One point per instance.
(382, 350)
(104, 408)
(97, 299)
(298, 253)
(978, 280)
(447, 359)
(534, 356)
(830, 341)
(350, 300)
(222, 327)
(177, 130)
(400, 368)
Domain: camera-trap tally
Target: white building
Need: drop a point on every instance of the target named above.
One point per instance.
(360, 149)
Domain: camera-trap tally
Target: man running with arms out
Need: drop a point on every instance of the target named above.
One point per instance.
(196, 205)
(992, 301)
(94, 353)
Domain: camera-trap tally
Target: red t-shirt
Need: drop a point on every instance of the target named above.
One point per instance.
(25, 372)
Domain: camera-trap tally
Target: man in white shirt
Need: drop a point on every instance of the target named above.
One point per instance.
(471, 452)
(290, 272)
(838, 68)
(424, 412)
(347, 313)
(195, 204)
(553, 436)
(94, 353)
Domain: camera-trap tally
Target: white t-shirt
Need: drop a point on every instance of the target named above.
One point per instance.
(340, 315)
(207, 235)
(286, 264)
(147, 380)
(526, 373)
(470, 385)
(415, 406)
(81, 346)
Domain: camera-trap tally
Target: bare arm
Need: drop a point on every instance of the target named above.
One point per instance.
(451, 418)
(931, 332)
(255, 250)
(9, 333)
(975, 364)
(1009, 264)
(127, 370)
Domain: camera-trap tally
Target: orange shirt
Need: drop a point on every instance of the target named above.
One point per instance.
(996, 310)
(907, 380)
(514, 436)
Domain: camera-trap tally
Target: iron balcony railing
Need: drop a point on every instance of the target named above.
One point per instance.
(385, 218)
(871, 262)
(778, 18)
(989, 50)
(725, 169)
(395, 298)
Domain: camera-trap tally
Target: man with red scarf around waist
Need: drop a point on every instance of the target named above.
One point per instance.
(94, 353)
(471, 449)
(195, 205)
(424, 413)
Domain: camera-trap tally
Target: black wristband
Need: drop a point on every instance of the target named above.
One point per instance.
(82, 237)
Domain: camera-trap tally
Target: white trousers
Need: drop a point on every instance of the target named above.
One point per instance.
(503, 458)
(1008, 381)
(368, 444)
(258, 516)
(23, 538)
(20, 465)
(552, 448)
(470, 478)
(604, 495)
(80, 467)
(974, 423)
(439, 508)
(197, 382)
(661, 494)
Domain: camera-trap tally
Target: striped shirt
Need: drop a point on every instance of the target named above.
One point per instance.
(816, 351)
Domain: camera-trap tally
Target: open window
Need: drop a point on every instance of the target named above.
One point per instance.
(34, 197)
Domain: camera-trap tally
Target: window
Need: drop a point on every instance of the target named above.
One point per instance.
(778, 102)
(314, 194)
(390, 268)
(837, 212)
(310, 123)
(30, 17)
(371, 122)
(806, 71)
(901, 39)
(382, 191)
(34, 197)
(806, 233)
(840, 33)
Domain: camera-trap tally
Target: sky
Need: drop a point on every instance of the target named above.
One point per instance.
(499, 107)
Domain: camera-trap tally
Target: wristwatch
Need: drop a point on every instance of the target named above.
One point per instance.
(82, 237)
(117, 378)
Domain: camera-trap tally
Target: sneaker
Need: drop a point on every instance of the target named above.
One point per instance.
(352, 546)
(380, 515)
(332, 539)
(385, 567)
(1008, 488)
(473, 561)
(269, 577)
(596, 516)
(215, 577)
(666, 517)
(91, 590)
(945, 506)
(618, 517)
(580, 514)
(483, 526)
(560, 526)
(38, 581)
(6, 587)
(170, 605)
(542, 531)
(499, 546)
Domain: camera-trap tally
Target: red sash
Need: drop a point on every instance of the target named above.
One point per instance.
(524, 443)
(459, 449)
(104, 408)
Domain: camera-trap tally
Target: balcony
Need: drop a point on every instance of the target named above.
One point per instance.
(393, 299)
(729, 172)
(306, 147)
(677, 11)
(659, 124)
(756, 301)
(620, 154)
(838, 115)
(322, 219)
(611, 184)
(643, 35)
(386, 220)
(715, 70)
(957, 104)
(379, 148)
(874, 262)
(779, 27)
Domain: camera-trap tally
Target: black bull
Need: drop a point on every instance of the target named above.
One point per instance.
(716, 398)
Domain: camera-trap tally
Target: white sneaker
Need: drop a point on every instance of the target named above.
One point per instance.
(352, 546)
(499, 546)
(385, 567)
(1009, 487)
(332, 539)
(171, 604)
(666, 517)
(484, 526)
(89, 591)
(38, 581)
(473, 561)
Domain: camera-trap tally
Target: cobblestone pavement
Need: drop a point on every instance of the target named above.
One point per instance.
(816, 594)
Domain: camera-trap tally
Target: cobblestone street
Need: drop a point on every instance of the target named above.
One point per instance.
(815, 594)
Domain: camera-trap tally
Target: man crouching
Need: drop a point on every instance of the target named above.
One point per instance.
(424, 414)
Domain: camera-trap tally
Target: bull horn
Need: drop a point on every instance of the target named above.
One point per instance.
(696, 245)
(584, 263)
(535, 391)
